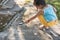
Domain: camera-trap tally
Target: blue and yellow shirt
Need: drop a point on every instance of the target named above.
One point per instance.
(49, 13)
(49, 17)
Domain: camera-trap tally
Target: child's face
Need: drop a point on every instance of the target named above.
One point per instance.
(40, 7)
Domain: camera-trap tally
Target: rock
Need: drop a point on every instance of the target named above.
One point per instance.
(44, 35)
(6, 4)
(3, 35)
(4, 18)
(0, 0)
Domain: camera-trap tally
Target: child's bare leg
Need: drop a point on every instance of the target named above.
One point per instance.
(42, 26)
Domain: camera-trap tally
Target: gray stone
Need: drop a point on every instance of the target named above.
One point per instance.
(3, 35)
(7, 4)
(0, 1)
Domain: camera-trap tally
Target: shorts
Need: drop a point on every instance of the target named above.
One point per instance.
(45, 23)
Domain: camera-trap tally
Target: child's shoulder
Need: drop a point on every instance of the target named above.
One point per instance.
(48, 7)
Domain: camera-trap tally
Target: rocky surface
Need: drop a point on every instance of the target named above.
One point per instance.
(16, 29)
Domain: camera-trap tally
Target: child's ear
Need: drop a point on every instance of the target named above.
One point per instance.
(37, 7)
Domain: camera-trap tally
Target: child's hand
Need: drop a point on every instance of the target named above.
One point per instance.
(40, 12)
(27, 21)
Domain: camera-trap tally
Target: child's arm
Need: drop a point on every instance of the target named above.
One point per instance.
(39, 13)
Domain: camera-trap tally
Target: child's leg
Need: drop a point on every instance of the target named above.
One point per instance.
(41, 27)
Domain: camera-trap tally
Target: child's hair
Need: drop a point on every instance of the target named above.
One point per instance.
(39, 2)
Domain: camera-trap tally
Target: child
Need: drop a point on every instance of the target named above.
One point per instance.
(46, 15)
